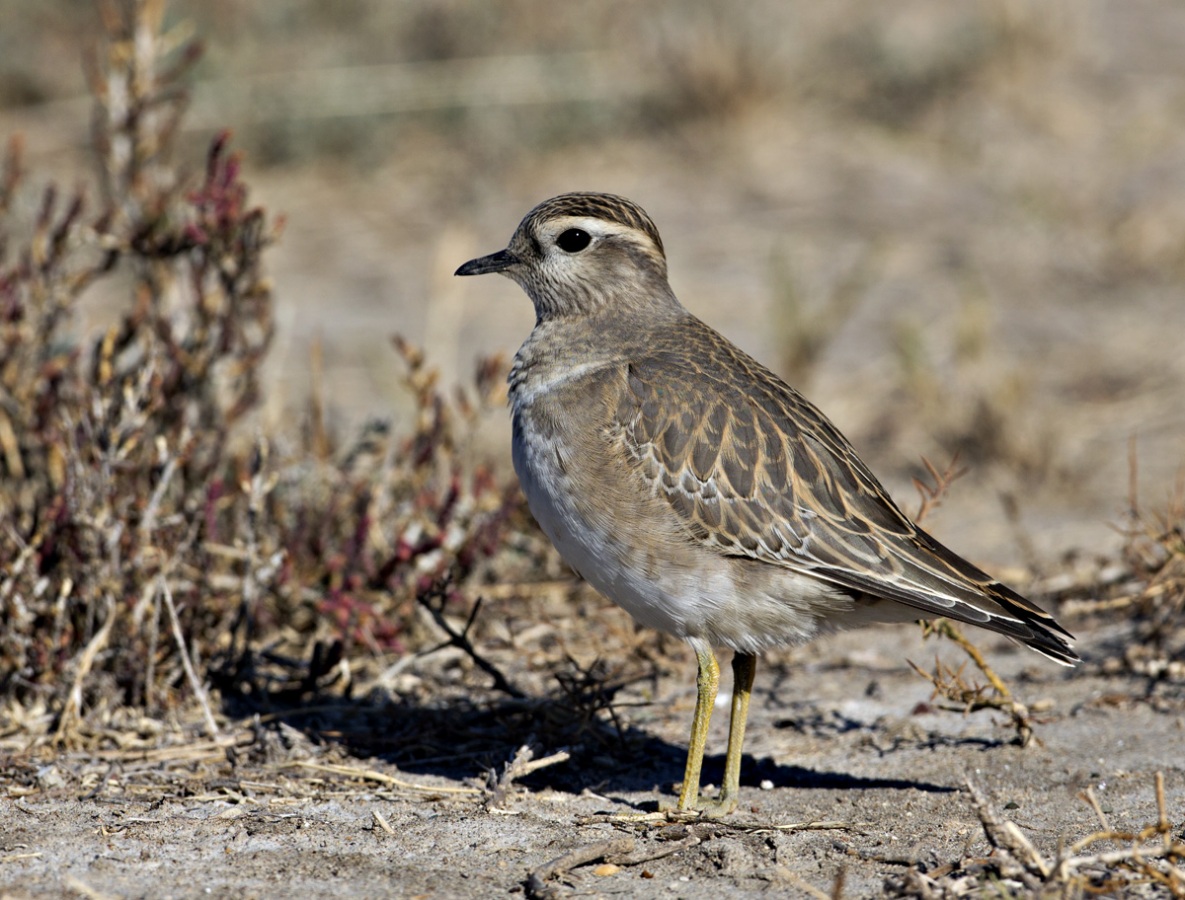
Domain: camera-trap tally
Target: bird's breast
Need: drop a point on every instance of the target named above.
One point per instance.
(609, 525)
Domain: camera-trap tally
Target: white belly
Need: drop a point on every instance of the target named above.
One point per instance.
(594, 548)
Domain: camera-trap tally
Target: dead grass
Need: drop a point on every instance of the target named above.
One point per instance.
(151, 541)
(1118, 861)
(1146, 590)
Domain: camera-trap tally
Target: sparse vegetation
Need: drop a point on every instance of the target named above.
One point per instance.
(1148, 592)
(1148, 858)
(145, 524)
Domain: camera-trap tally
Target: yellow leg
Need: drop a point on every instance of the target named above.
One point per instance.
(707, 681)
(744, 668)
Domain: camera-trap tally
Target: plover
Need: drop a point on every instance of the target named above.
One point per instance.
(693, 487)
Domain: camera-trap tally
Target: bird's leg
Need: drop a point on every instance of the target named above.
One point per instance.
(744, 667)
(707, 681)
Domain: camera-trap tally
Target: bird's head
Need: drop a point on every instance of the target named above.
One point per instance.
(577, 254)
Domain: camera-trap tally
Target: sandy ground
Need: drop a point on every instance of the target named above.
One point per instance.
(846, 739)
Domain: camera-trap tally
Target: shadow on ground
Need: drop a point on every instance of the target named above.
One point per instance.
(474, 737)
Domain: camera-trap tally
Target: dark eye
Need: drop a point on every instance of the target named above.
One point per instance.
(573, 240)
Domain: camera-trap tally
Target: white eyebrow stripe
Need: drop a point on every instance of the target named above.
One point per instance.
(593, 226)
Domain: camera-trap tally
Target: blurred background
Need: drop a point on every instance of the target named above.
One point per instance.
(958, 228)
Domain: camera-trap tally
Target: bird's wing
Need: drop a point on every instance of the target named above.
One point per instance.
(754, 470)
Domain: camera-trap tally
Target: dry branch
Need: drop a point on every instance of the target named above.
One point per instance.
(522, 765)
(1152, 856)
(949, 683)
(537, 887)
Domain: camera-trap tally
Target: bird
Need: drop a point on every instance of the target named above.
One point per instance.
(693, 487)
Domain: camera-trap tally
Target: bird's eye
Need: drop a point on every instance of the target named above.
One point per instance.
(573, 240)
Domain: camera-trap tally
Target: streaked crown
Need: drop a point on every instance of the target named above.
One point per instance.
(607, 207)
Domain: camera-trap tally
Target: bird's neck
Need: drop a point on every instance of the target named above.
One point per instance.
(640, 303)
(604, 335)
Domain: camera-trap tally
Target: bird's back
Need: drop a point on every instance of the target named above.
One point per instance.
(728, 463)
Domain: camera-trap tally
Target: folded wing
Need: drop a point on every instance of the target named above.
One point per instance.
(761, 473)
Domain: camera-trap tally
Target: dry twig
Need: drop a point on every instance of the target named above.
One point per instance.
(537, 887)
(434, 601)
(932, 495)
(522, 765)
(950, 684)
(947, 682)
(1152, 855)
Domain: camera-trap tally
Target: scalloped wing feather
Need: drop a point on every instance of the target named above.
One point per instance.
(761, 473)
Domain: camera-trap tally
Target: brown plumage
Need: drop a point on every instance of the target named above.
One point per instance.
(756, 471)
(691, 485)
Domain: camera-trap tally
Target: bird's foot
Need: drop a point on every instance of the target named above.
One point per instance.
(700, 808)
